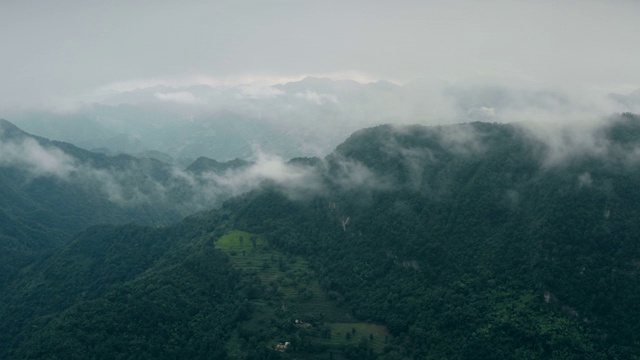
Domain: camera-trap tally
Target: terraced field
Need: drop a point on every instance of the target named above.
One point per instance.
(290, 290)
(346, 333)
(284, 275)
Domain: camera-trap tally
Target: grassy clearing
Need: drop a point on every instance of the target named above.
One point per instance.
(344, 333)
(289, 283)
(288, 276)
(239, 240)
(320, 303)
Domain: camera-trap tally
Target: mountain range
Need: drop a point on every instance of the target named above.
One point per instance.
(466, 241)
(309, 117)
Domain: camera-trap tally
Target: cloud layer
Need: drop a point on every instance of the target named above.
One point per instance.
(128, 181)
(64, 50)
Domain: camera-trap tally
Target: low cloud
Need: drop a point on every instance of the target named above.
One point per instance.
(313, 115)
(129, 181)
(316, 98)
(35, 159)
(482, 112)
(182, 97)
(292, 179)
(303, 114)
(585, 180)
(563, 142)
(258, 92)
(133, 182)
(38, 160)
(350, 174)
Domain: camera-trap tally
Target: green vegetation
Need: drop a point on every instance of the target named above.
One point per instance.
(342, 334)
(118, 291)
(481, 249)
(289, 303)
(76, 189)
(486, 253)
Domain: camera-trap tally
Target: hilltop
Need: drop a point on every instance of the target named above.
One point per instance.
(467, 241)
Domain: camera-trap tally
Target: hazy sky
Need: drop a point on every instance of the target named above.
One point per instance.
(61, 50)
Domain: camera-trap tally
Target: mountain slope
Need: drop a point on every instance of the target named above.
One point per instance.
(51, 190)
(468, 241)
(119, 291)
(480, 248)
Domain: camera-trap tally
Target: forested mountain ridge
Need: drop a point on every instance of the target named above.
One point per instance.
(121, 292)
(478, 240)
(81, 186)
(204, 164)
(41, 204)
(468, 241)
(50, 190)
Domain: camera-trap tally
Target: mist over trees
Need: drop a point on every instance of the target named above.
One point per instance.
(460, 241)
(319, 180)
(309, 117)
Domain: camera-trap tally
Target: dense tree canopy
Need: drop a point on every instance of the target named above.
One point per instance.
(465, 242)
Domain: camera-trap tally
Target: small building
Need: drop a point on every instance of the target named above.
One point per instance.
(301, 324)
(282, 347)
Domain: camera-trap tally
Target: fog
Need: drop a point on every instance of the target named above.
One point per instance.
(309, 117)
(267, 82)
(67, 51)
(127, 181)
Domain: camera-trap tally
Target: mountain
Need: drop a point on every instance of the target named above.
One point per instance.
(309, 117)
(80, 186)
(51, 190)
(204, 164)
(473, 243)
(467, 241)
(300, 118)
(126, 290)
(630, 101)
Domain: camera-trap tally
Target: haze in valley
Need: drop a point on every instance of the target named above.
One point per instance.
(229, 79)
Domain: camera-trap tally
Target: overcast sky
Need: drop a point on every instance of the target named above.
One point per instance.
(61, 50)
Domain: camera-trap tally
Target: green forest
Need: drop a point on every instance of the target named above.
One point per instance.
(469, 241)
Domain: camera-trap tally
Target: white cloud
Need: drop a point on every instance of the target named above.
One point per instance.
(37, 160)
(258, 92)
(316, 98)
(182, 97)
(483, 112)
(294, 180)
(585, 180)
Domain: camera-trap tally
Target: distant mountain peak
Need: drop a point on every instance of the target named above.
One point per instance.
(205, 164)
(9, 131)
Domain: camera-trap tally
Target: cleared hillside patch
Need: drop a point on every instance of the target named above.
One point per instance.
(291, 303)
(345, 333)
